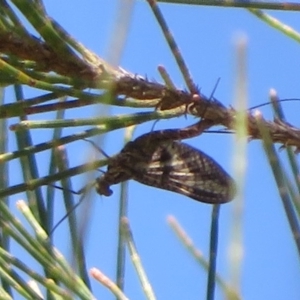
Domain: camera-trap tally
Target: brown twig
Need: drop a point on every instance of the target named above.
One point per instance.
(121, 82)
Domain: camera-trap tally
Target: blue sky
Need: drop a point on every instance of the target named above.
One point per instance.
(206, 37)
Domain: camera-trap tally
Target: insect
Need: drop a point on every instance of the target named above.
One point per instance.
(160, 160)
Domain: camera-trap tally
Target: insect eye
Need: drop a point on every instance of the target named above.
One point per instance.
(103, 187)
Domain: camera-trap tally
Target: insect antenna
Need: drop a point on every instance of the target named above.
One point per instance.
(83, 192)
(270, 102)
(95, 146)
(211, 97)
(154, 123)
(64, 189)
(214, 89)
(66, 215)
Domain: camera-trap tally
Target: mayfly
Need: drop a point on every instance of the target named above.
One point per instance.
(160, 160)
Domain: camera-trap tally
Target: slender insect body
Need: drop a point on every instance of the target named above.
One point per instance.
(160, 160)
(156, 160)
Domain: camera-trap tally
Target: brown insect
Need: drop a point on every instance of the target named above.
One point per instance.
(159, 159)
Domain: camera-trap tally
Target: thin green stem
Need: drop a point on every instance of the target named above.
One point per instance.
(29, 167)
(125, 120)
(43, 25)
(108, 283)
(15, 280)
(15, 22)
(239, 163)
(187, 242)
(123, 210)
(58, 268)
(174, 47)
(56, 143)
(34, 183)
(213, 249)
(4, 182)
(49, 284)
(52, 167)
(290, 6)
(275, 23)
(279, 114)
(77, 246)
(135, 258)
(281, 182)
(25, 79)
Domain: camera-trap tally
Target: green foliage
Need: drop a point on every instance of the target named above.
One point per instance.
(51, 64)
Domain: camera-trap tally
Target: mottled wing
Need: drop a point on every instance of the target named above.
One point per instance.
(180, 168)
